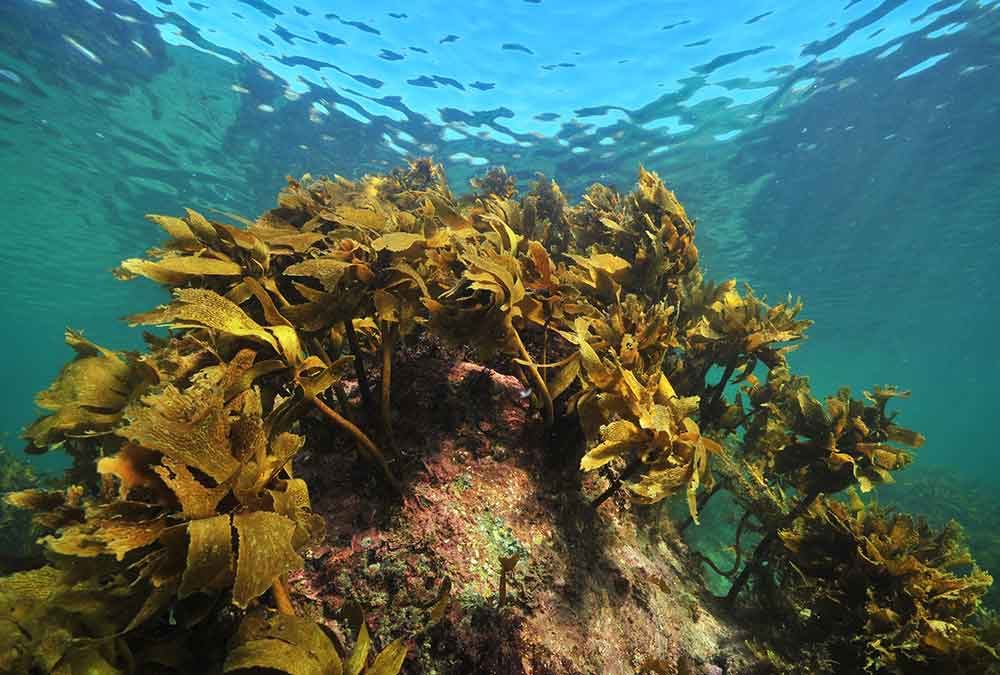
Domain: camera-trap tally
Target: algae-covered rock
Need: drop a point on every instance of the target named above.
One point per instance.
(591, 592)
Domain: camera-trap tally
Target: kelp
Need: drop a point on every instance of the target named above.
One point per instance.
(886, 591)
(643, 419)
(826, 448)
(945, 493)
(88, 395)
(298, 646)
(868, 590)
(18, 551)
(183, 497)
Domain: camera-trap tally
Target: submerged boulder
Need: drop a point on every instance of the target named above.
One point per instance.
(611, 590)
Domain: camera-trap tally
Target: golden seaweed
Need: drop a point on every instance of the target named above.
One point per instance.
(888, 581)
(183, 490)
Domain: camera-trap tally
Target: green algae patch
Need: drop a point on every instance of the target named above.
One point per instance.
(500, 537)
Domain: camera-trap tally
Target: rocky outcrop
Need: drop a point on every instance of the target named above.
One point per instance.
(609, 591)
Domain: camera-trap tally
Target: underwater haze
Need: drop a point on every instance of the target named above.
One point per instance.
(846, 151)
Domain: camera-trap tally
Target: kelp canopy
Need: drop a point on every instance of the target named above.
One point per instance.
(182, 506)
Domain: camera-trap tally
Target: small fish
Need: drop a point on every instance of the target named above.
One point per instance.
(83, 50)
(10, 75)
(315, 116)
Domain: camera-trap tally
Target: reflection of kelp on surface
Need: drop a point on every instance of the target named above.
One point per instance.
(183, 512)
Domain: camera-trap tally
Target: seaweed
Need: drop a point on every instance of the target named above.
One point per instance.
(273, 642)
(943, 493)
(18, 549)
(883, 591)
(182, 515)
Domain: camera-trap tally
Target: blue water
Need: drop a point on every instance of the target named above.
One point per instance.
(847, 152)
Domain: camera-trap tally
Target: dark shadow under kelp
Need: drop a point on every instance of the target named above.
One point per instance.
(19, 550)
(170, 545)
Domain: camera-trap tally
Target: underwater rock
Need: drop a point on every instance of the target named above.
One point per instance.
(591, 592)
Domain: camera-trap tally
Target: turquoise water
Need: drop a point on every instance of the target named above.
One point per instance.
(846, 152)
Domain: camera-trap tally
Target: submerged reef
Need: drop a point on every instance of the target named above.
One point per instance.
(388, 429)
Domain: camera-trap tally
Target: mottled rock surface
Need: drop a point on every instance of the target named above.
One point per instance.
(605, 591)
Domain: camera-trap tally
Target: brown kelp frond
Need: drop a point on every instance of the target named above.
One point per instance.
(18, 482)
(644, 422)
(648, 227)
(54, 622)
(497, 182)
(88, 396)
(211, 253)
(202, 501)
(793, 439)
(290, 644)
(827, 447)
(889, 582)
(733, 325)
(546, 216)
